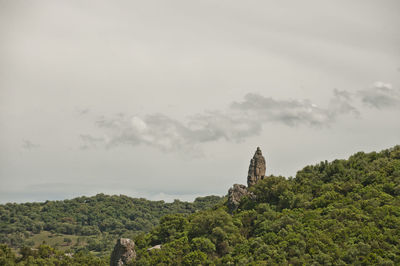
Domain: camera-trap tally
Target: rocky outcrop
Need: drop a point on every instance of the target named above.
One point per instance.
(256, 169)
(123, 253)
(256, 173)
(235, 194)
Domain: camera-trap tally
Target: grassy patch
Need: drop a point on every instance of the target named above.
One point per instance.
(60, 241)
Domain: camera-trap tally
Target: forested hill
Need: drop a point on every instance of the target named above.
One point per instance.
(333, 213)
(96, 217)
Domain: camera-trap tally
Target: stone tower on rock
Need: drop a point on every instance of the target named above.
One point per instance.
(256, 173)
(256, 169)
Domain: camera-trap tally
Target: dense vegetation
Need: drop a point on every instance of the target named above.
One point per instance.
(46, 255)
(92, 223)
(340, 212)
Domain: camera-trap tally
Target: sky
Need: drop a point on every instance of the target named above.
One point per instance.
(169, 99)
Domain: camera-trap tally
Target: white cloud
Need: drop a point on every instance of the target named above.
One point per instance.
(237, 122)
(138, 124)
(381, 95)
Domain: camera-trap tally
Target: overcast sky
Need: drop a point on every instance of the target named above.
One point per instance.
(169, 99)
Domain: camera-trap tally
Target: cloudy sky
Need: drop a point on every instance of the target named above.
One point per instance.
(169, 99)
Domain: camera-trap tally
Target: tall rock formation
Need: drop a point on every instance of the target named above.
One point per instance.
(256, 169)
(123, 253)
(256, 173)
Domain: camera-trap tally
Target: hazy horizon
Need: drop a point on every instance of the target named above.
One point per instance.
(169, 100)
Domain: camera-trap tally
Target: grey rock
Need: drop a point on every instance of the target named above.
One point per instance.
(256, 173)
(235, 194)
(257, 168)
(123, 253)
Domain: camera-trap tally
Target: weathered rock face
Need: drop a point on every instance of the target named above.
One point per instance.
(235, 194)
(256, 172)
(123, 253)
(256, 169)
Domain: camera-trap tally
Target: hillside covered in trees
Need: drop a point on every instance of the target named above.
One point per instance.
(91, 223)
(340, 212)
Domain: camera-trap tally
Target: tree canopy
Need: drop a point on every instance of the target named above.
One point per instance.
(332, 213)
(92, 222)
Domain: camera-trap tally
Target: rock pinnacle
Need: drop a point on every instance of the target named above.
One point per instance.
(257, 168)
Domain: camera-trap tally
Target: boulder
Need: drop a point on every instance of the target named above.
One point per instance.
(235, 194)
(123, 253)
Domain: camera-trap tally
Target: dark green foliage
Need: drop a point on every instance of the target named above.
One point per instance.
(7, 256)
(46, 255)
(203, 244)
(333, 213)
(100, 219)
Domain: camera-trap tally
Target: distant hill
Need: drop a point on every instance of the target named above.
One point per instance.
(90, 222)
(333, 213)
